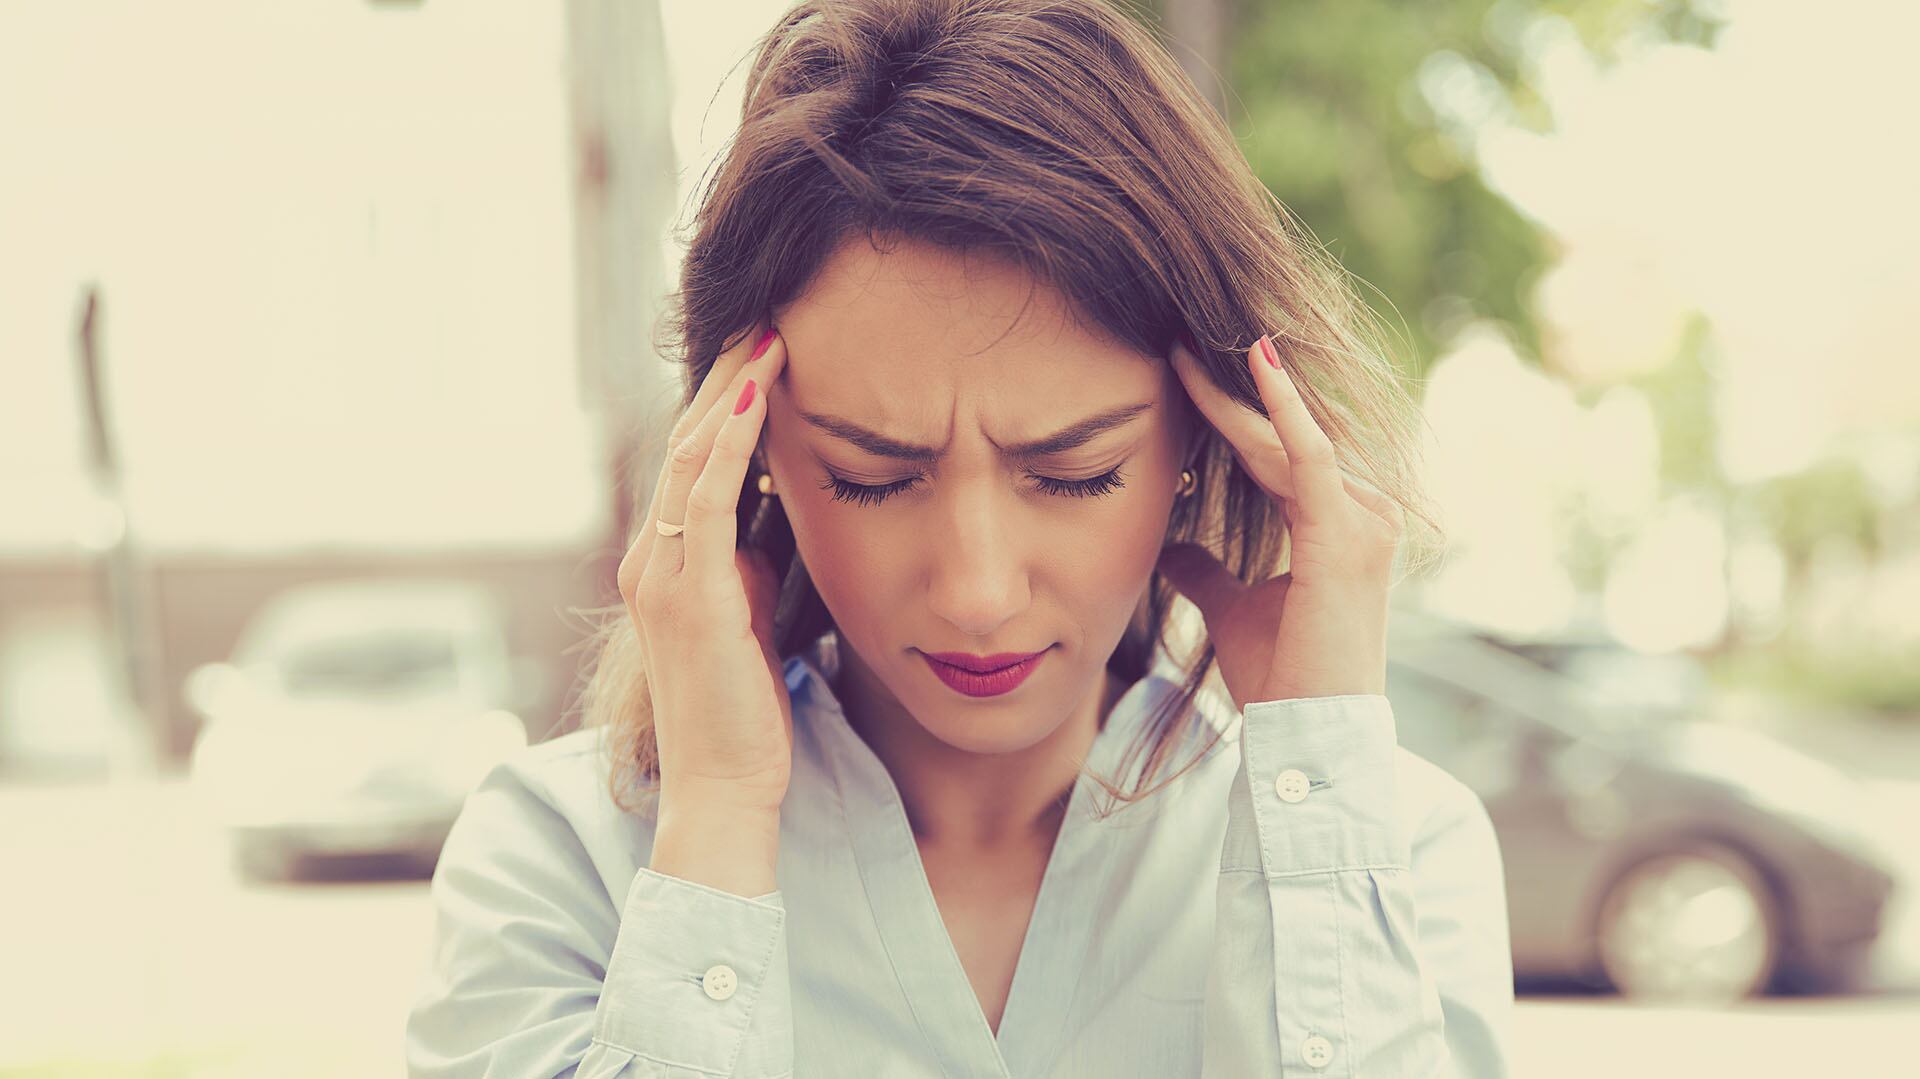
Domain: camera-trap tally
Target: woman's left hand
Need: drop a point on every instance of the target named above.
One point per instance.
(1320, 628)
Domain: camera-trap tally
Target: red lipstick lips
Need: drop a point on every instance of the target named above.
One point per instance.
(983, 676)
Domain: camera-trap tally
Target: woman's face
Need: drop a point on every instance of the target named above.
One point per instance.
(970, 548)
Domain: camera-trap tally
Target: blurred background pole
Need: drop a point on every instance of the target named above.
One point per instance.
(125, 590)
(624, 179)
(1198, 32)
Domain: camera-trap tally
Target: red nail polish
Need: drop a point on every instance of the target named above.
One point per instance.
(765, 340)
(746, 398)
(1266, 348)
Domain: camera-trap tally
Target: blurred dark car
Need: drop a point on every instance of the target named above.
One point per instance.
(1647, 850)
(354, 718)
(1613, 676)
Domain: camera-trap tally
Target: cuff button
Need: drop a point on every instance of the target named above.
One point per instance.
(719, 981)
(1291, 785)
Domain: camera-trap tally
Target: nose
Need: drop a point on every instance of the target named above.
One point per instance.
(977, 577)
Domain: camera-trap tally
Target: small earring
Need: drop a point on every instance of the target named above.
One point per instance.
(1186, 483)
(765, 483)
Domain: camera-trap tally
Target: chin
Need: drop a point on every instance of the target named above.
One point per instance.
(986, 725)
(988, 736)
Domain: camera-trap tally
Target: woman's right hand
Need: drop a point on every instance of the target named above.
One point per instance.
(723, 723)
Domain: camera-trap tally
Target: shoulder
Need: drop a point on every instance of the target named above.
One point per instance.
(1434, 797)
(547, 812)
(527, 909)
(1459, 888)
(553, 767)
(1452, 836)
(571, 774)
(558, 776)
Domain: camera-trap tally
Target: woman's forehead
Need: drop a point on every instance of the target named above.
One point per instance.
(916, 419)
(876, 323)
(916, 299)
(1019, 390)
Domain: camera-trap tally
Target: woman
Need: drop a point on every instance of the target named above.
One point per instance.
(899, 612)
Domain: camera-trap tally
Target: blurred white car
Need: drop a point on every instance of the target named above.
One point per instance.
(354, 717)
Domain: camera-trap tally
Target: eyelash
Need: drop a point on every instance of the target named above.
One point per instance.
(865, 494)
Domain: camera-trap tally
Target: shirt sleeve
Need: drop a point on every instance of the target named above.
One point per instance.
(535, 971)
(1343, 944)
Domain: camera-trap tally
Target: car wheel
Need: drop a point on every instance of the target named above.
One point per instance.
(1695, 924)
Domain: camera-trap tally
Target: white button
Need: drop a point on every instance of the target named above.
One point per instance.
(719, 982)
(1291, 785)
(1317, 1050)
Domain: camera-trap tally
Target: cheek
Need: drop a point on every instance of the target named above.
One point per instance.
(853, 557)
(1108, 561)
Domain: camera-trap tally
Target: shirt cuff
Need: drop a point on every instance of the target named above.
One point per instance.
(1317, 774)
(690, 964)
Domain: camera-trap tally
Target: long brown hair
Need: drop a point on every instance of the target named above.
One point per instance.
(1060, 134)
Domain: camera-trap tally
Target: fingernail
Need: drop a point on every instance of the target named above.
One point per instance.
(1267, 350)
(746, 398)
(765, 340)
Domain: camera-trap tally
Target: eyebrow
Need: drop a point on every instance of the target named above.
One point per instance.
(1067, 438)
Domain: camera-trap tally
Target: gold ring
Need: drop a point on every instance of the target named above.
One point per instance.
(666, 529)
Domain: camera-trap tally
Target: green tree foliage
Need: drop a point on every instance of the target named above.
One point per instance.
(1682, 392)
(1359, 116)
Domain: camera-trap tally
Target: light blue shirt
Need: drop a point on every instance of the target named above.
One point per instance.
(1311, 899)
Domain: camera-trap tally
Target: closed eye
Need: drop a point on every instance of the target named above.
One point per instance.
(864, 494)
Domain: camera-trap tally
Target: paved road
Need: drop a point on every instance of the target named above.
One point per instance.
(127, 939)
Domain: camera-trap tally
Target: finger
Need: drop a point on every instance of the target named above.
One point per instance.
(706, 405)
(1377, 503)
(688, 460)
(1310, 454)
(1250, 435)
(712, 521)
(713, 388)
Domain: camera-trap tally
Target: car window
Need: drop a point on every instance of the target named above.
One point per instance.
(372, 664)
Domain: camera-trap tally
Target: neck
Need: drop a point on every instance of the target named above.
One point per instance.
(959, 800)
